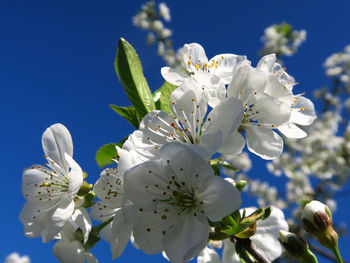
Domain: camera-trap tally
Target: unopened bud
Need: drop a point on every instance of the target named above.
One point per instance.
(316, 217)
(297, 247)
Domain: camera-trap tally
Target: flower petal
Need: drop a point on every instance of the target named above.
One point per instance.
(305, 116)
(264, 142)
(226, 117)
(149, 230)
(82, 220)
(121, 232)
(229, 254)
(61, 215)
(208, 255)
(69, 252)
(173, 76)
(233, 144)
(141, 178)
(219, 198)
(266, 63)
(56, 141)
(187, 238)
(75, 176)
(290, 130)
(227, 64)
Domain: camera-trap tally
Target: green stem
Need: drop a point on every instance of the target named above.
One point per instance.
(336, 253)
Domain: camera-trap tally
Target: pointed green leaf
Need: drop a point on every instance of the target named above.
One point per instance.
(128, 113)
(105, 154)
(162, 97)
(223, 164)
(130, 74)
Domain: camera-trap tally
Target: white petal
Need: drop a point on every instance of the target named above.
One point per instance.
(121, 232)
(186, 164)
(229, 254)
(270, 111)
(32, 181)
(266, 63)
(173, 76)
(195, 53)
(76, 176)
(187, 238)
(141, 178)
(32, 211)
(150, 229)
(304, 117)
(219, 197)
(56, 141)
(290, 130)
(82, 220)
(172, 148)
(233, 144)
(227, 65)
(187, 97)
(268, 245)
(69, 252)
(226, 117)
(264, 142)
(61, 215)
(208, 255)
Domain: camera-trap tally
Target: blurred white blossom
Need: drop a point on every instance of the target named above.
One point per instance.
(282, 39)
(16, 258)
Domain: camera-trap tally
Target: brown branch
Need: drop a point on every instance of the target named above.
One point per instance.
(252, 249)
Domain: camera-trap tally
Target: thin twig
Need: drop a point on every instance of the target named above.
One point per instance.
(252, 249)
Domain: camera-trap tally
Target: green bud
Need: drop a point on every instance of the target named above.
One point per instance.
(297, 247)
(85, 188)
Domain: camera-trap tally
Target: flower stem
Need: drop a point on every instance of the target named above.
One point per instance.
(336, 253)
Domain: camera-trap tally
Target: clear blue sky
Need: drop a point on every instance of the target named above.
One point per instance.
(57, 66)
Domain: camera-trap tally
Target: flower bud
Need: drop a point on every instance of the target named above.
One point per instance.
(316, 217)
(297, 247)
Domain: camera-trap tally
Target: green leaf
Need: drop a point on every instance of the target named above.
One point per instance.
(129, 70)
(223, 164)
(267, 213)
(243, 254)
(162, 97)
(128, 113)
(105, 154)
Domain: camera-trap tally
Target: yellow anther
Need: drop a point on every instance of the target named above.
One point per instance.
(190, 57)
(189, 62)
(222, 57)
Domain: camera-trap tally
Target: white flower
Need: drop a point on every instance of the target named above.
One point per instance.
(189, 106)
(260, 93)
(174, 197)
(50, 191)
(16, 258)
(164, 11)
(109, 189)
(212, 75)
(69, 249)
(265, 238)
(302, 109)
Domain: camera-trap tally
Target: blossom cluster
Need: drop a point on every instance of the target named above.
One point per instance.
(150, 19)
(282, 39)
(338, 66)
(165, 193)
